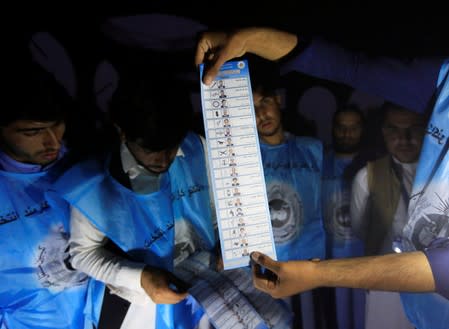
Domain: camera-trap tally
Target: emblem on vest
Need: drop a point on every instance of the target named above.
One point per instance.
(338, 218)
(286, 212)
(430, 220)
(53, 262)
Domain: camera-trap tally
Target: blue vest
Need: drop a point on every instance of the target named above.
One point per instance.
(428, 208)
(341, 242)
(39, 289)
(293, 178)
(143, 225)
(336, 195)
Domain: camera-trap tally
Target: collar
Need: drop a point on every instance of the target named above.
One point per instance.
(409, 167)
(286, 137)
(130, 165)
(9, 164)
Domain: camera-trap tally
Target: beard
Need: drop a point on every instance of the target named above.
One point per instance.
(345, 147)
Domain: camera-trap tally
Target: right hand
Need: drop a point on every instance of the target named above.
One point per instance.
(156, 283)
(216, 48)
(283, 279)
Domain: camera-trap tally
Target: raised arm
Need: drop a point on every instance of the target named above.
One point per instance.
(410, 83)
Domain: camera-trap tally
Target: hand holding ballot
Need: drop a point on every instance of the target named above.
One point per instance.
(374, 272)
(216, 48)
(282, 279)
(157, 284)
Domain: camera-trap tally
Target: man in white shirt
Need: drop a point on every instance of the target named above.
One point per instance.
(144, 208)
(379, 202)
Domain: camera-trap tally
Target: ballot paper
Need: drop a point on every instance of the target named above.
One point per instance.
(229, 298)
(235, 166)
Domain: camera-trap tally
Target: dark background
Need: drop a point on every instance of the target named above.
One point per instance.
(386, 27)
(392, 28)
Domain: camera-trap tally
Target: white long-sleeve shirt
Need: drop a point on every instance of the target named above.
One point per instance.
(89, 255)
(87, 242)
(359, 200)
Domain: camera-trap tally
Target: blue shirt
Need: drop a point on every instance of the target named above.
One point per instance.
(438, 256)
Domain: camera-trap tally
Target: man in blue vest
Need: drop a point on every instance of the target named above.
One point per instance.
(348, 125)
(293, 171)
(39, 287)
(144, 207)
(418, 85)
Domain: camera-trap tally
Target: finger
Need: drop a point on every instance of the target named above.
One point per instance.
(220, 56)
(212, 68)
(202, 48)
(259, 281)
(265, 261)
(257, 271)
(219, 265)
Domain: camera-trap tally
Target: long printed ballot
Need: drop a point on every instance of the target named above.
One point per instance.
(229, 297)
(235, 166)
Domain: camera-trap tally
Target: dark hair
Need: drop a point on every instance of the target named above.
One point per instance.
(349, 108)
(265, 76)
(35, 95)
(388, 107)
(152, 111)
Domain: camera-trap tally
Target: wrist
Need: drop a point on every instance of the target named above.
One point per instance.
(300, 44)
(317, 275)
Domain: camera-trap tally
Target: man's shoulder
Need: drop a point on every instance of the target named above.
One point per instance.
(308, 141)
(361, 175)
(378, 173)
(310, 144)
(192, 143)
(91, 164)
(383, 160)
(81, 172)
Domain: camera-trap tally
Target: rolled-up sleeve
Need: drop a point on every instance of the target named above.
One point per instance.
(438, 256)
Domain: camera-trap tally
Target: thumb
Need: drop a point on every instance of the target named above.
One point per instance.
(265, 261)
(211, 70)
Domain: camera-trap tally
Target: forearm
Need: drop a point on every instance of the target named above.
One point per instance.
(269, 43)
(394, 272)
(88, 254)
